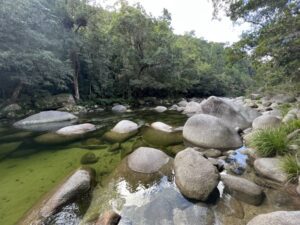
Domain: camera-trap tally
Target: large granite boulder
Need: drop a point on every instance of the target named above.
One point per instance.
(195, 176)
(121, 132)
(277, 218)
(266, 121)
(210, 132)
(54, 102)
(76, 129)
(271, 169)
(243, 189)
(229, 112)
(147, 160)
(79, 183)
(46, 120)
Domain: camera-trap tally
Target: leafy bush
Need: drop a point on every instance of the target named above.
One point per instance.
(270, 142)
(291, 166)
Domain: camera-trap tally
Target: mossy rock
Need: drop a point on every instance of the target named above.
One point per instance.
(7, 148)
(114, 137)
(114, 147)
(55, 139)
(173, 150)
(89, 158)
(157, 138)
(129, 146)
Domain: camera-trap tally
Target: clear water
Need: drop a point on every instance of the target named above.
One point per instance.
(28, 170)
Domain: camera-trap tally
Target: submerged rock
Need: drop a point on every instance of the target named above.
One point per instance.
(161, 135)
(43, 120)
(89, 158)
(147, 160)
(277, 218)
(243, 189)
(210, 132)
(270, 168)
(266, 121)
(54, 139)
(77, 184)
(76, 129)
(196, 177)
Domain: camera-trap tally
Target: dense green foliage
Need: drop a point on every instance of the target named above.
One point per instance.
(74, 46)
(274, 40)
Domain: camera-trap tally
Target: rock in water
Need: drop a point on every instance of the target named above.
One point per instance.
(243, 189)
(76, 129)
(162, 127)
(108, 218)
(195, 176)
(226, 112)
(45, 118)
(125, 126)
(119, 108)
(210, 132)
(270, 168)
(122, 131)
(266, 121)
(147, 160)
(277, 218)
(160, 109)
(77, 184)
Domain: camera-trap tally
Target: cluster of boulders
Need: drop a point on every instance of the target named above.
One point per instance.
(214, 127)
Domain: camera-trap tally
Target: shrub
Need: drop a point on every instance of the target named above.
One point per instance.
(270, 142)
(291, 165)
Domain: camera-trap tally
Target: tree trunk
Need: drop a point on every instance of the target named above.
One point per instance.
(16, 92)
(76, 68)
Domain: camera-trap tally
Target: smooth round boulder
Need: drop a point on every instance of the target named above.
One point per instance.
(76, 129)
(125, 126)
(119, 108)
(277, 218)
(160, 109)
(224, 110)
(45, 117)
(182, 103)
(271, 169)
(147, 160)
(195, 176)
(266, 121)
(210, 132)
(162, 127)
(243, 189)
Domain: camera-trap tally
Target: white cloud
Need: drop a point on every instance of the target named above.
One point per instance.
(190, 15)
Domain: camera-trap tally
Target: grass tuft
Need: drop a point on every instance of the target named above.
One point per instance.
(270, 142)
(290, 164)
(273, 141)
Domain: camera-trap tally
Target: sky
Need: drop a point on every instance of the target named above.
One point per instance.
(188, 15)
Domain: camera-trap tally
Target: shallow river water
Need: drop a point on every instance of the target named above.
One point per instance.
(34, 162)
